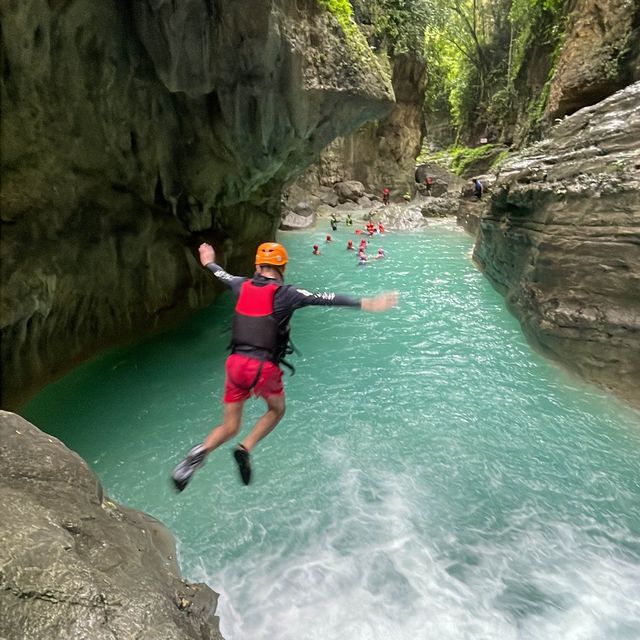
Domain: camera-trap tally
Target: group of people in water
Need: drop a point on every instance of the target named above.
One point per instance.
(371, 229)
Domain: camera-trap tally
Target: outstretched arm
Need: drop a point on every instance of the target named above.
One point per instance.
(381, 302)
(296, 298)
(208, 259)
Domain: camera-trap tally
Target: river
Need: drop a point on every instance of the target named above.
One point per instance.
(433, 478)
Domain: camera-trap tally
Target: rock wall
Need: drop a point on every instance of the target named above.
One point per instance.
(132, 131)
(561, 239)
(601, 54)
(380, 153)
(74, 564)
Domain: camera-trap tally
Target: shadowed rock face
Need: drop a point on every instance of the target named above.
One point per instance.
(133, 131)
(561, 239)
(74, 564)
(380, 153)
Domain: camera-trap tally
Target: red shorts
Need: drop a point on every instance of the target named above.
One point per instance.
(244, 377)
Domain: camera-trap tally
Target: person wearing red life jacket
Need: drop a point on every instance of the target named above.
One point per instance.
(316, 250)
(259, 344)
(385, 195)
(350, 246)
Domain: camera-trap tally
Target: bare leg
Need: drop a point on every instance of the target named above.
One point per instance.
(266, 424)
(229, 427)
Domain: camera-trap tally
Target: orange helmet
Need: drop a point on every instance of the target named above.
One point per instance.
(272, 253)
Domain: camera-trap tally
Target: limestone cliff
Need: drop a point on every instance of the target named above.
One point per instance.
(561, 239)
(132, 131)
(601, 54)
(380, 153)
(74, 564)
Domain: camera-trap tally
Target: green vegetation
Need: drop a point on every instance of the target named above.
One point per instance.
(480, 56)
(398, 26)
(464, 161)
(343, 12)
(480, 52)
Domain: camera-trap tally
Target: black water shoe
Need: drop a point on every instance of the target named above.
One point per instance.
(183, 472)
(244, 463)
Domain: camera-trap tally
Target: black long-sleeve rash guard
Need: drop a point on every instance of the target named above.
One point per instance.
(287, 298)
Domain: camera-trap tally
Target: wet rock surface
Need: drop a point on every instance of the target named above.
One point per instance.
(561, 239)
(74, 564)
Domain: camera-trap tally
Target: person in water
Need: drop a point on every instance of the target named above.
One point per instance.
(259, 343)
(329, 238)
(362, 258)
(380, 253)
(316, 250)
(380, 228)
(350, 246)
(349, 220)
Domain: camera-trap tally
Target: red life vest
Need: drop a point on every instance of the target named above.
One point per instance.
(255, 330)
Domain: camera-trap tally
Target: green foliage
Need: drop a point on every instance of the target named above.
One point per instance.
(460, 160)
(477, 52)
(341, 9)
(343, 13)
(398, 25)
(463, 157)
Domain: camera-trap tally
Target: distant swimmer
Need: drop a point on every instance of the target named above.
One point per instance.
(316, 250)
(380, 228)
(380, 253)
(329, 238)
(259, 344)
(350, 246)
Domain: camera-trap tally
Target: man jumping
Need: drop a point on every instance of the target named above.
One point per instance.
(259, 343)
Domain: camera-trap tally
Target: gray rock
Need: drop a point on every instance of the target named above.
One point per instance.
(347, 206)
(293, 221)
(303, 209)
(560, 239)
(364, 202)
(75, 564)
(349, 190)
(434, 207)
(330, 198)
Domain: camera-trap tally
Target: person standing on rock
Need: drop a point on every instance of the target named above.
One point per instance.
(385, 195)
(428, 182)
(477, 188)
(259, 343)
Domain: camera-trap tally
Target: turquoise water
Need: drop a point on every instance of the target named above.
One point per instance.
(433, 478)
